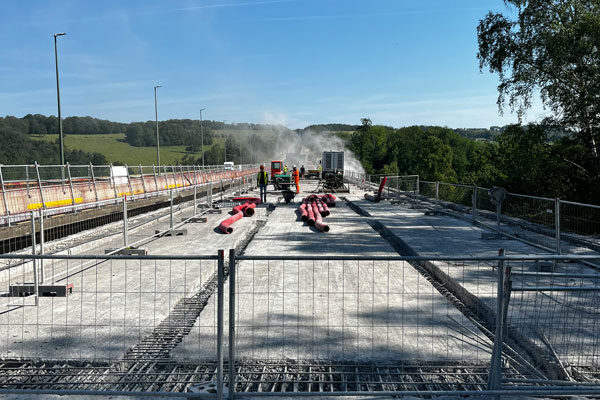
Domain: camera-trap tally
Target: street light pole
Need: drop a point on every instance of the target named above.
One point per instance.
(224, 142)
(157, 137)
(60, 132)
(202, 135)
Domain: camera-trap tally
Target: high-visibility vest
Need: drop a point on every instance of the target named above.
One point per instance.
(285, 169)
(262, 177)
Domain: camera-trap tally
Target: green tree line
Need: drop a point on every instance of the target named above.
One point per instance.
(522, 159)
(17, 148)
(174, 132)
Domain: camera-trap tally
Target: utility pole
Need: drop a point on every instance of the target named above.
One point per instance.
(202, 136)
(224, 142)
(157, 138)
(60, 131)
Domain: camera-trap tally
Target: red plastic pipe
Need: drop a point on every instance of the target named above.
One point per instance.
(319, 205)
(326, 210)
(303, 212)
(248, 210)
(311, 215)
(240, 207)
(321, 226)
(225, 225)
(382, 185)
(254, 200)
(319, 221)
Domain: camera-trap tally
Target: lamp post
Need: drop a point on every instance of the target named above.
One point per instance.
(224, 142)
(202, 137)
(60, 132)
(157, 138)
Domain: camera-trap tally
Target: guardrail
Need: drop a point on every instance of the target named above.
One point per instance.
(140, 325)
(24, 188)
(541, 221)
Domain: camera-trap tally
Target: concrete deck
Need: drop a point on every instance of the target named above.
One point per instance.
(553, 314)
(336, 310)
(114, 303)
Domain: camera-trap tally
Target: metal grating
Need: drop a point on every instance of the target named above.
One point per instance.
(253, 376)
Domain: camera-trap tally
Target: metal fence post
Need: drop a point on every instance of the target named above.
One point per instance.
(125, 238)
(495, 375)
(437, 195)
(388, 195)
(557, 224)
(41, 244)
(113, 181)
(222, 189)
(93, 181)
(171, 212)
(142, 178)
(220, 278)
(498, 212)
(27, 179)
(71, 183)
(209, 194)
(4, 196)
(33, 245)
(37, 171)
(195, 194)
(62, 178)
(129, 180)
(474, 203)
(231, 362)
(155, 180)
(240, 186)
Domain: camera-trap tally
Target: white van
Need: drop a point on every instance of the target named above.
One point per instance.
(228, 165)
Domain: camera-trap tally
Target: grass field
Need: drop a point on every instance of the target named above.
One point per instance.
(115, 149)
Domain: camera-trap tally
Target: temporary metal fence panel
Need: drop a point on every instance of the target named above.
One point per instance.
(116, 309)
(115, 330)
(342, 325)
(580, 224)
(398, 187)
(78, 227)
(554, 304)
(544, 222)
(346, 324)
(50, 187)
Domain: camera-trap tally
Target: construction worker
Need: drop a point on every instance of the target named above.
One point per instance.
(302, 171)
(262, 180)
(296, 178)
(320, 168)
(285, 169)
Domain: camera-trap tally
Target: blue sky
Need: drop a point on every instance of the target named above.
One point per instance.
(294, 62)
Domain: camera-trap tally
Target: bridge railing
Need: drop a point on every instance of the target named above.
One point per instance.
(24, 188)
(550, 223)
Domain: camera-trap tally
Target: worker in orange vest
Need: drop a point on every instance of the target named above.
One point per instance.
(296, 177)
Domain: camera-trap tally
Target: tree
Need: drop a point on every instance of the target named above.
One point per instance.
(214, 156)
(553, 47)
